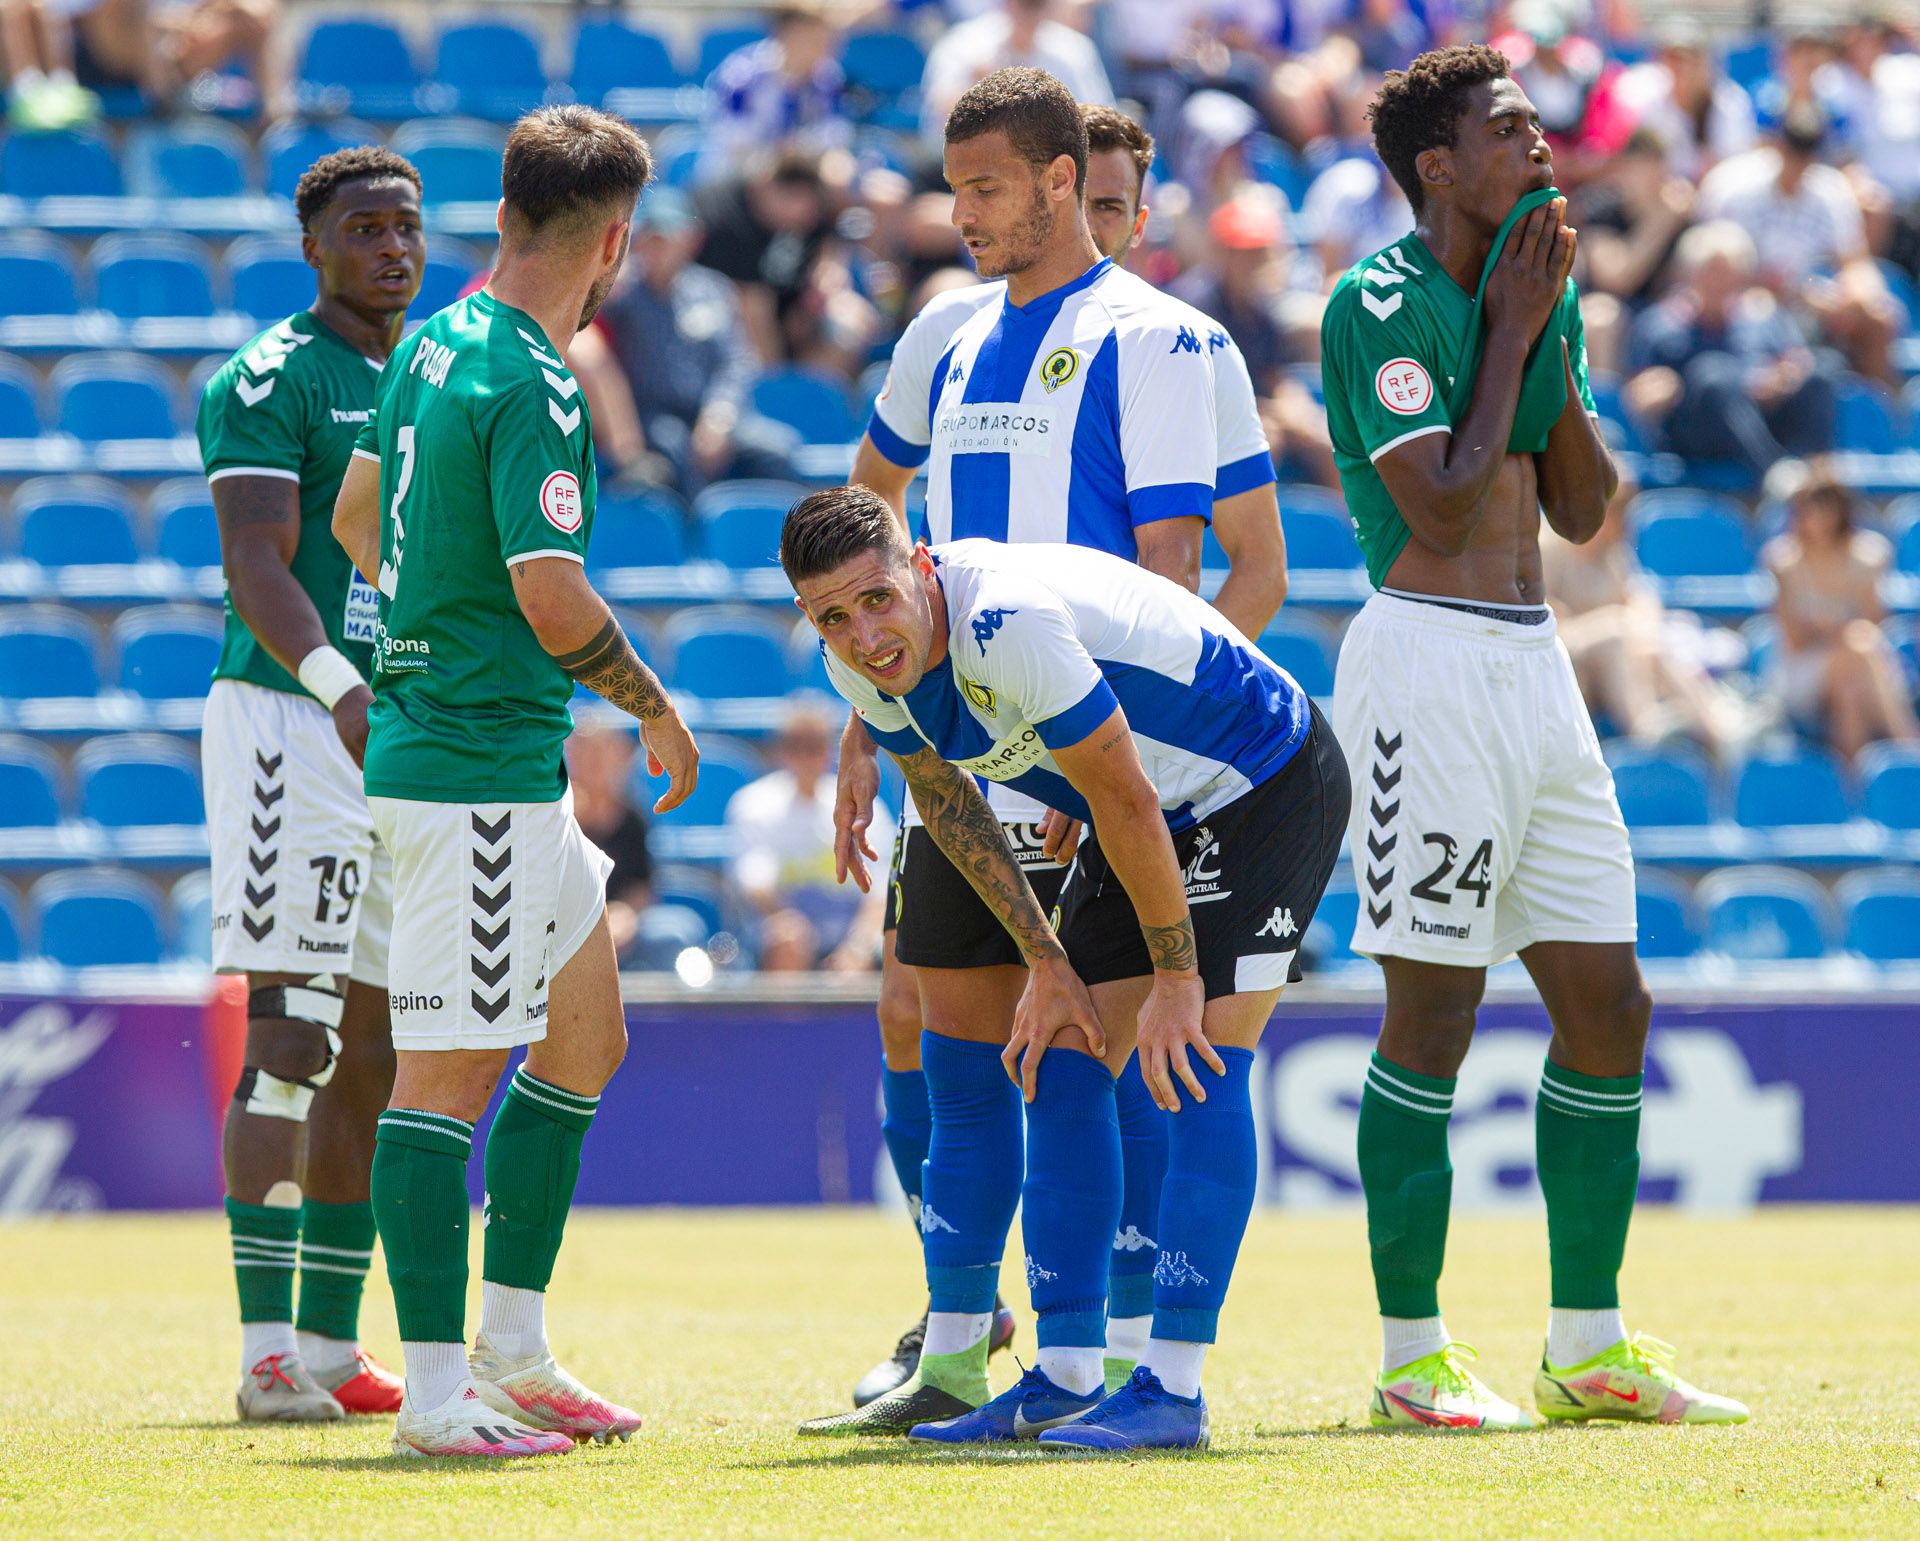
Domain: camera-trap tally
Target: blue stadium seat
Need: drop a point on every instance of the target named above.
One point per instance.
(1906, 548)
(1662, 787)
(1772, 791)
(361, 66)
(271, 280)
(1702, 541)
(1302, 649)
(65, 164)
(614, 56)
(720, 42)
(190, 158)
(167, 652)
(153, 275)
(36, 275)
(186, 531)
(722, 653)
(75, 521)
(192, 904)
(646, 529)
(13, 935)
(449, 268)
(1880, 915)
(46, 652)
(1765, 913)
(1866, 418)
(102, 396)
(725, 767)
(885, 63)
(29, 785)
(19, 400)
(492, 68)
(294, 144)
(98, 917)
(129, 780)
(1890, 784)
(812, 404)
(1664, 912)
(741, 521)
(458, 159)
(1318, 535)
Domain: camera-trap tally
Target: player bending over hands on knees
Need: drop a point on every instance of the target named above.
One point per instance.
(977, 659)
(1457, 400)
(472, 497)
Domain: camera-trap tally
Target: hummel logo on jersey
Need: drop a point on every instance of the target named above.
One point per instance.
(1130, 1240)
(1279, 924)
(1186, 340)
(986, 623)
(931, 1222)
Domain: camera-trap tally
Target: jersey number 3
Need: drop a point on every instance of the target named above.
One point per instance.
(390, 570)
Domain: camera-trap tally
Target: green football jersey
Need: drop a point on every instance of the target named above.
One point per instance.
(486, 458)
(290, 404)
(1391, 342)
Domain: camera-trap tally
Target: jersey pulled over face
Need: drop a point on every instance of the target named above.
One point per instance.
(288, 405)
(1392, 341)
(1043, 646)
(486, 459)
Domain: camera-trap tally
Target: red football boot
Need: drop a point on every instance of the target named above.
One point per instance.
(368, 1387)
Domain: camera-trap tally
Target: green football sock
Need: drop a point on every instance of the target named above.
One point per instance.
(1408, 1183)
(963, 1374)
(265, 1243)
(533, 1161)
(1587, 1138)
(420, 1207)
(336, 1249)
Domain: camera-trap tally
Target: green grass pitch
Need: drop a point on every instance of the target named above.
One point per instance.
(726, 1328)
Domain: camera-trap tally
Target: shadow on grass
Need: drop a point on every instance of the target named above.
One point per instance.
(1367, 1431)
(1026, 1453)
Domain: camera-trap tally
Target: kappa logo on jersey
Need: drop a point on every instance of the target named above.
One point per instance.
(956, 374)
(985, 624)
(1218, 340)
(560, 501)
(1186, 340)
(979, 695)
(1058, 367)
(1279, 924)
(1404, 387)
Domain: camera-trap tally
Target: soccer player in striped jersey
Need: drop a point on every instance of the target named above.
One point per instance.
(1246, 521)
(1116, 696)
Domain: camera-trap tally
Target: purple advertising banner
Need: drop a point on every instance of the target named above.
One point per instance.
(736, 1102)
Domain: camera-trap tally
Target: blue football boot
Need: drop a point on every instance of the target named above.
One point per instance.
(1020, 1412)
(1141, 1415)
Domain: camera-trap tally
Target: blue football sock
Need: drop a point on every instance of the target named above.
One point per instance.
(1070, 1206)
(1204, 1205)
(1143, 1164)
(972, 1172)
(906, 1128)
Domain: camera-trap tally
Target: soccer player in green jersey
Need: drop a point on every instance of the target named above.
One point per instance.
(472, 498)
(1484, 822)
(301, 887)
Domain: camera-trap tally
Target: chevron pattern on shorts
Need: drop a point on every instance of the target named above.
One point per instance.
(1383, 806)
(260, 883)
(490, 949)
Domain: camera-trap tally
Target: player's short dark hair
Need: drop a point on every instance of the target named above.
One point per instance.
(1037, 114)
(1108, 128)
(828, 528)
(1419, 108)
(321, 182)
(568, 167)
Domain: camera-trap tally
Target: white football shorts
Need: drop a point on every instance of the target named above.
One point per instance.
(301, 885)
(490, 901)
(1484, 818)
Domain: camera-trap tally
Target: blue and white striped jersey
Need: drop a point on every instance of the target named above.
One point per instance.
(1042, 646)
(901, 431)
(1074, 418)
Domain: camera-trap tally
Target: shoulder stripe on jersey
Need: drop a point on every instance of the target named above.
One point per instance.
(528, 556)
(1243, 476)
(1077, 721)
(1414, 433)
(278, 473)
(365, 454)
(893, 447)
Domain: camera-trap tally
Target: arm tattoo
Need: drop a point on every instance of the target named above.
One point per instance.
(1171, 947)
(609, 667)
(969, 835)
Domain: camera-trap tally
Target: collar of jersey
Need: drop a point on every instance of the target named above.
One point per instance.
(327, 334)
(492, 302)
(1044, 307)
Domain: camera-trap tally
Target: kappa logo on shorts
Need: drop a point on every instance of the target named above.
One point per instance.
(491, 955)
(1381, 835)
(1279, 924)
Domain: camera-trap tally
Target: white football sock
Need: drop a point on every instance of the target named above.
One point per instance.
(1573, 1337)
(1078, 1370)
(324, 1355)
(434, 1372)
(954, 1332)
(514, 1320)
(1404, 1339)
(1176, 1364)
(258, 1340)
(1127, 1336)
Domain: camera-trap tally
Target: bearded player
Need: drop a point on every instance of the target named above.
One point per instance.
(1484, 821)
(302, 888)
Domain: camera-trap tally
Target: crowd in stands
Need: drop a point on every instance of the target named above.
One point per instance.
(1749, 218)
